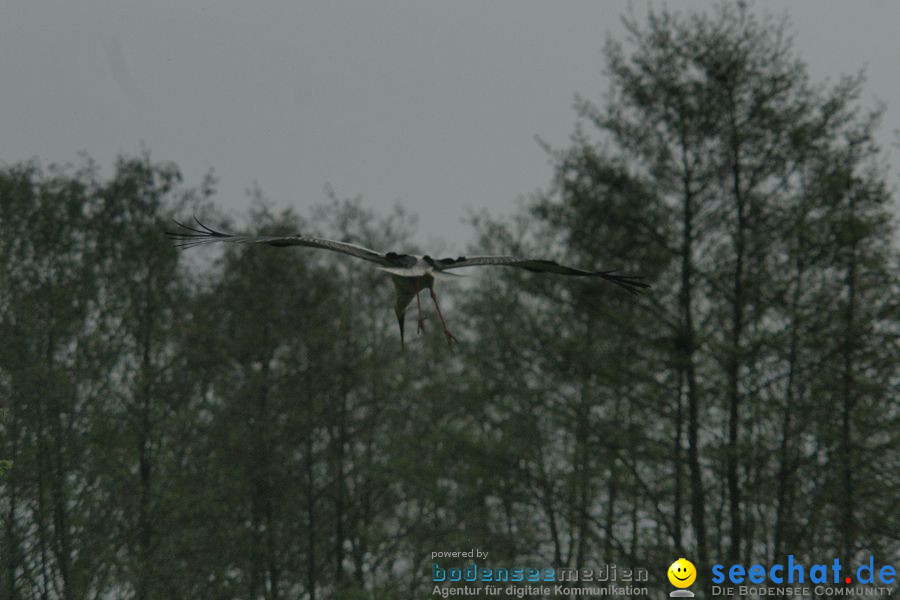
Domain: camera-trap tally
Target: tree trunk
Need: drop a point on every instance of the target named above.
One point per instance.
(687, 349)
(734, 351)
(848, 402)
(785, 462)
(311, 574)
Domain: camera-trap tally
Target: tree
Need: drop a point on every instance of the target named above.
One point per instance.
(81, 363)
(733, 175)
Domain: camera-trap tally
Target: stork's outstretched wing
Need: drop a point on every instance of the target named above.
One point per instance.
(632, 283)
(192, 236)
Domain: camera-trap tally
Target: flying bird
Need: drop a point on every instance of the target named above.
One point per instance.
(410, 273)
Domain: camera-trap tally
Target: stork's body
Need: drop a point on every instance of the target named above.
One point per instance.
(407, 284)
(411, 274)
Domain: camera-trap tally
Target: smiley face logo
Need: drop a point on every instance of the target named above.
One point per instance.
(682, 573)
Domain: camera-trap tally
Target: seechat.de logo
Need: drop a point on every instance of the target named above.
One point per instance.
(795, 572)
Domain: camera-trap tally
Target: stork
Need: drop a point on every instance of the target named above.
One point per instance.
(410, 273)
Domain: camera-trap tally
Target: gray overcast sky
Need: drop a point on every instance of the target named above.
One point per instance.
(431, 104)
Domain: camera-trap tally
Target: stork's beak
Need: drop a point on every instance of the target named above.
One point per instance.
(400, 321)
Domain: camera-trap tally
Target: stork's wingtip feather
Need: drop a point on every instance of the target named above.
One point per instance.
(630, 283)
(208, 229)
(191, 236)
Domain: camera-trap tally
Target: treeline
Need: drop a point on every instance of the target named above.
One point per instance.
(241, 422)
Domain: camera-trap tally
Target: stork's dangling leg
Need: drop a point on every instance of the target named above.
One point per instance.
(420, 326)
(450, 337)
